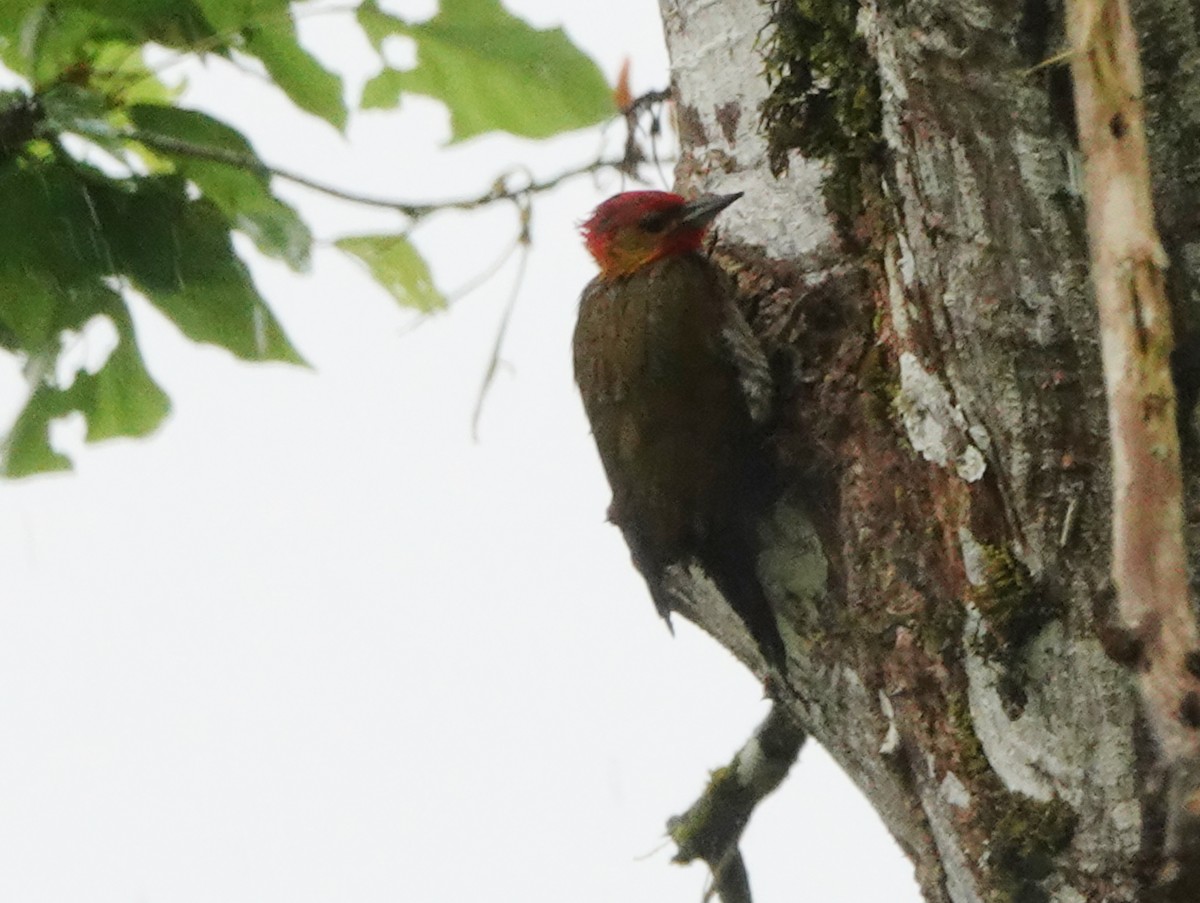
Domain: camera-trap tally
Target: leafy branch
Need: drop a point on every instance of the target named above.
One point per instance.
(157, 214)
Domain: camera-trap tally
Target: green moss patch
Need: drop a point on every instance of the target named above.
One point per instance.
(1027, 835)
(824, 97)
(1008, 598)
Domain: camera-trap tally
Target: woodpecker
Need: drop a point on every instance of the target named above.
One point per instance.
(673, 382)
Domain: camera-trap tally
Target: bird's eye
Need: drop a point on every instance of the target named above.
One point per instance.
(654, 222)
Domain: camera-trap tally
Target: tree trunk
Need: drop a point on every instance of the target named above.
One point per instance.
(913, 253)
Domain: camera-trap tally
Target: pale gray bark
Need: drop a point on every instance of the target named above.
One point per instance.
(942, 562)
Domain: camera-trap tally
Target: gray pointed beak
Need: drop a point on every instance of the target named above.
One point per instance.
(703, 210)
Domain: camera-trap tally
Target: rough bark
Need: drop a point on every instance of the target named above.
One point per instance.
(913, 252)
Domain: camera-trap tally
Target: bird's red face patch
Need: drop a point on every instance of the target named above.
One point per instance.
(634, 229)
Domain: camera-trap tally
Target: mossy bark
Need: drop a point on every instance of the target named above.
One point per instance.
(912, 253)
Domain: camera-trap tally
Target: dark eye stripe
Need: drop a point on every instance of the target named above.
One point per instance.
(654, 222)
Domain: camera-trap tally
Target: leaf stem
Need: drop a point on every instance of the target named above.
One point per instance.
(500, 191)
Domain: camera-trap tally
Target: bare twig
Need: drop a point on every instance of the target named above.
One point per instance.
(646, 101)
(524, 242)
(484, 276)
(503, 189)
(1149, 562)
(500, 191)
(632, 114)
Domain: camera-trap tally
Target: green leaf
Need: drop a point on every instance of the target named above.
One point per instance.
(28, 305)
(266, 29)
(13, 16)
(242, 193)
(178, 253)
(78, 226)
(383, 91)
(175, 250)
(119, 71)
(54, 38)
(397, 266)
(231, 15)
(81, 111)
(26, 449)
(59, 45)
(120, 399)
(309, 85)
(67, 230)
(49, 244)
(492, 70)
(377, 25)
(175, 23)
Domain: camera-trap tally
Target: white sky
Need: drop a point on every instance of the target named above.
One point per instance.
(310, 644)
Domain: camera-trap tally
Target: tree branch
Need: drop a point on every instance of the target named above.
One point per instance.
(1148, 558)
(713, 825)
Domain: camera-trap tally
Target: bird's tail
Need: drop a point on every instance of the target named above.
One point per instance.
(730, 562)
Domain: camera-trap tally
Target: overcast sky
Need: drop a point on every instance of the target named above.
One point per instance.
(311, 644)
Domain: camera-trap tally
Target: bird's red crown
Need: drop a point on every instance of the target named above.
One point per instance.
(636, 228)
